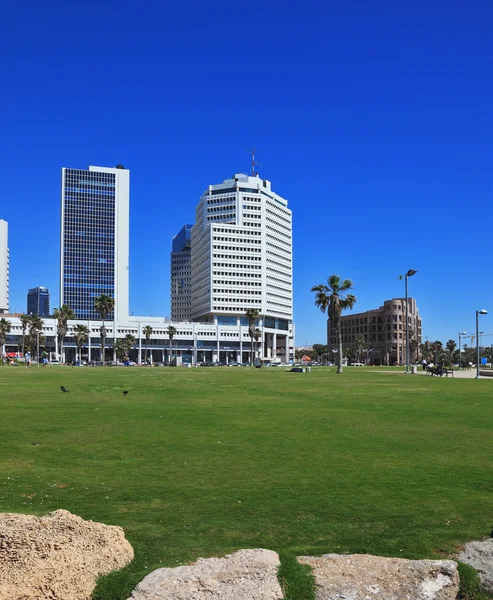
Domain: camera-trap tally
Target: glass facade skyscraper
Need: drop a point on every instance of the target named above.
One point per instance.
(181, 275)
(94, 253)
(38, 302)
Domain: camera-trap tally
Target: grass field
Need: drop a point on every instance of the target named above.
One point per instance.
(201, 462)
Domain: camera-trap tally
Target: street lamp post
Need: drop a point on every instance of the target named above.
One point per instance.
(478, 312)
(410, 273)
(461, 333)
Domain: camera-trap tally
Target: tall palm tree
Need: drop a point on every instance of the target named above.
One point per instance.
(34, 337)
(62, 315)
(257, 335)
(171, 334)
(24, 319)
(147, 332)
(120, 348)
(252, 315)
(81, 333)
(451, 345)
(5, 327)
(103, 305)
(333, 299)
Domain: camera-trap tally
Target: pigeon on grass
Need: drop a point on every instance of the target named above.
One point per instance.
(64, 389)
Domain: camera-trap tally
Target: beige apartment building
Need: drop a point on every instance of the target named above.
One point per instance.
(383, 331)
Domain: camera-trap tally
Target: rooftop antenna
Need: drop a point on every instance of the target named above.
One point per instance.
(254, 163)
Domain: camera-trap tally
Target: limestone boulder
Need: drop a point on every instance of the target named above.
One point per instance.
(244, 575)
(59, 556)
(366, 577)
(480, 556)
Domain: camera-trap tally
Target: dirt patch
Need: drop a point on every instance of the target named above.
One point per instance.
(57, 557)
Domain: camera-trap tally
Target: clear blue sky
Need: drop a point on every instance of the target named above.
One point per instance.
(374, 119)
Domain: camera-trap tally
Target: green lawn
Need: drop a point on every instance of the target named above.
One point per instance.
(201, 462)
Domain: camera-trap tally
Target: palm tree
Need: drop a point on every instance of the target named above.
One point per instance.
(257, 335)
(129, 341)
(81, 333)
(333, 299)
(360, 342)
(147, 332)
(34, 337)
(24, 319)
(62, 315)
(103, 305)
(120, 348)
(436, 348)
(171, 334)
(5, 327)
(451, 345)
(252, 315)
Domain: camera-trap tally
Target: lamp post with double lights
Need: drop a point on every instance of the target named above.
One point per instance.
(410, 273)
(461, 333)
(478, 312)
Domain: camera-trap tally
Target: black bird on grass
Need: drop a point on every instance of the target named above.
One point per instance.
(64, 389)
(125, 392)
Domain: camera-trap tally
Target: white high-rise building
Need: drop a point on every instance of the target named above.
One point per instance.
(4, 266)
(242, 258)
(95, 239)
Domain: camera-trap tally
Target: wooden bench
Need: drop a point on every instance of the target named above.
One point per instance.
(439, 371)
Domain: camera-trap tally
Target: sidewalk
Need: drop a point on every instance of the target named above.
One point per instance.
(462, 374)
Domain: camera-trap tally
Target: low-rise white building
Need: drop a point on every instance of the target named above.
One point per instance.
(193, 342)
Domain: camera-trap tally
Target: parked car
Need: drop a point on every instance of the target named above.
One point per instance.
(358, 364)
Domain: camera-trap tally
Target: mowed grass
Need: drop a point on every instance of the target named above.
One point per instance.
(202, 462)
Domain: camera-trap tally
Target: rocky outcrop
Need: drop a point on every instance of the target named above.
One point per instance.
(365, 577)
(244, 575)
(58, 556)
(480, 556)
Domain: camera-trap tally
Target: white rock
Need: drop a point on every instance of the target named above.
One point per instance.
(244, 575)
(480, 556)
(365, 577)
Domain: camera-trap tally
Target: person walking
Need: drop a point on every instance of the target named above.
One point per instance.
(424, 363)
(28, 359)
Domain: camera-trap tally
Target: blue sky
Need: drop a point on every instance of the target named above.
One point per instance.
(373, 119)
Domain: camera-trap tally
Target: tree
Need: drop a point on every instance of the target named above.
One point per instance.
(81, 334)
(62, 315)
(147, 332)
(129, 341)
(436, 348)
(34, 337)
(120, 348)
(298, 354)
(24, 319)
(333, 299)
(319, 350)
(103, 305)
(171, 335)
(360, 342)
(5, 327)
(450, 346)
(257, 336)
(252, 315)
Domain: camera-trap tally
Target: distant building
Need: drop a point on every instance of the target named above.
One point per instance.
(181, 280)
(95, 239)
(382, 332)
(4, 267)
(38, 301)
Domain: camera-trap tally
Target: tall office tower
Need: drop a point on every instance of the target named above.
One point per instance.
(38, 301)
(4, 266)
(94, 239)
(181, 275)
(241, 253)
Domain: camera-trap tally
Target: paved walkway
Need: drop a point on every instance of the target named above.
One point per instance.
(462, 374)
